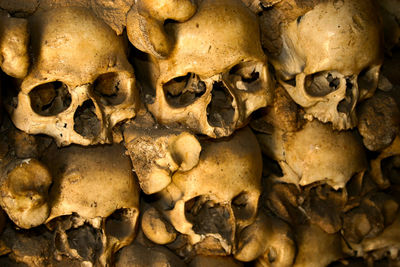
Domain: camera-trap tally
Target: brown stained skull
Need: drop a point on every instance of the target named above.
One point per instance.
(216, 75)
(330, 59)
(316, 153)
(94, 201)
(216, 199)
(81, 84)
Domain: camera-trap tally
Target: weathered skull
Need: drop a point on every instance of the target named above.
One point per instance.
(315, 153)
(94, 194)
(24, 192)
(158, 152)
(217, 198)
(14, 45)
(216, 75)
(81, 83)
(330, 59)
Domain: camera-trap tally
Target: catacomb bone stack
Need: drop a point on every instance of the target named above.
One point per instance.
(200, 133)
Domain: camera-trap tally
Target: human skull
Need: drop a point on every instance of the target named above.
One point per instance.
(93, 188)
(315, 153)
(24, 192)
(215, 76)
(157, 152)
(330, 59)
(219, 197)
(80, 85)
(14, 45)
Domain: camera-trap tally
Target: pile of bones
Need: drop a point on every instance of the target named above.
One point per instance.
(200, 133)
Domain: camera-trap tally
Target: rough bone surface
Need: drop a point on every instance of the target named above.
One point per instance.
(157, 152)
(79, 174)
(315, 153)
(215, 76)
(317, 197)
(210, 210)
(328, 84)
(73, 94)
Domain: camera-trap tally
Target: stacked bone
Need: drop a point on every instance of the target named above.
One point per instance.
(263, 133)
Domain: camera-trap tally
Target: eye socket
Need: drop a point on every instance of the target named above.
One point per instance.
(241, 207)
(50, 99)
(321, 83)
(246, 76)
(120, 224)
(183, 91)
(111, 88)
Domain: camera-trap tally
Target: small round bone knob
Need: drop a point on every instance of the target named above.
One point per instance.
(145, 24)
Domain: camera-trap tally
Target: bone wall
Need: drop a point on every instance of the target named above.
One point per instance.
(200, 133)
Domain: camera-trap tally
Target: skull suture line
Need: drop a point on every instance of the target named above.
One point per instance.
(330, 59)
(81, 83)
(216, 75)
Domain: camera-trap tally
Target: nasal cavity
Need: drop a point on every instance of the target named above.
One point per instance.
(346, 105)
(86, 122)
(220, 111)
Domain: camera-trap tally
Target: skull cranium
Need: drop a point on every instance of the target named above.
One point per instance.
(215, 76)
(218, 197)
(81, 83)
(330, 59)
(315, 153)
(81, 176)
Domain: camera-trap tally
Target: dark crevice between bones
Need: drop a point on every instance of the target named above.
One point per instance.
(391, 169)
